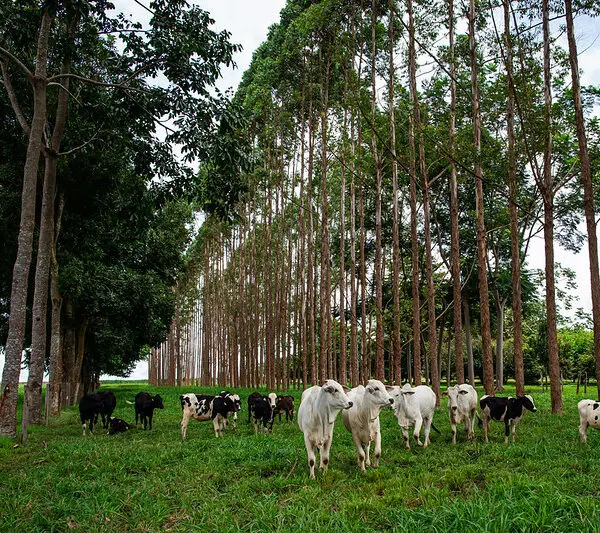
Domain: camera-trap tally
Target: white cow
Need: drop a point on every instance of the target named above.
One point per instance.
(589, 416)
(319, 407)
(462, 407)
(414, 406)
(362, 419)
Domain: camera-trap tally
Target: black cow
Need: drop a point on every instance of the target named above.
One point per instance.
(101, 403)
(262, 414)
(117, 425)
(251, 399)
(285, 404)
(507, 410)
(203, 407)
(144, 407)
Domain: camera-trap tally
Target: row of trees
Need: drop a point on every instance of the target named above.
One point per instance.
(400, 170)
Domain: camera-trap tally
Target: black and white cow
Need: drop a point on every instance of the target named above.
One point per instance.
(117, 425)
(251, 399)
(589, 416)
(101, 403)
(203, 407)
(507, 410)
(237, 405)
(262, 414)
(145, 404)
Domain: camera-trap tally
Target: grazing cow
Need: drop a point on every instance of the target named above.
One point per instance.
(117, 425)
(144, 407)
(262, 414)
(589, 416)
(251, 399)
(101, 403)
(319, 407)
(507, 410)
(203, 407)
(285, 404)
(362, 419)
(414, 406)
(462, 407)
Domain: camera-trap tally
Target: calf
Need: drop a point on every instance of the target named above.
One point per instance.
(144, 407)
(101, 403)
(362, 419)
(285, 404)
(414, 406)
(251, 399)
(319, 407)
(237, 405)
(462, 407)
(204, 407)
(262, 414)
(507, 410)
(117, 425)
(589, 416)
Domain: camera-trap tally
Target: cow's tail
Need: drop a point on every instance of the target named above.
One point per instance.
(130, 403)
(479, 421)
(435, 429)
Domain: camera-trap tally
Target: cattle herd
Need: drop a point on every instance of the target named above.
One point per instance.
(320, 406)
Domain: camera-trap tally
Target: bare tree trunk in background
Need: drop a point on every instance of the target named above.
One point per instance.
(416, 304)
(455, 242)
(18, 295)
(588, 189)
(548, 197)
(484, 300)
(468, 340)
(343, 376)
(310, 281)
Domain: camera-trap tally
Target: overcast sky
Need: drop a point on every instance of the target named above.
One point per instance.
(248, 22)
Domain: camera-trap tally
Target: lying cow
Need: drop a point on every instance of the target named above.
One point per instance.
(203, 407)
(589, 416)
(117, 425)
(101, 403)
(462, 407)
(414, 406)
(285, 404)
(319, 407)
(507, 410)
(144, 407)
(362, 419)
(262, 414)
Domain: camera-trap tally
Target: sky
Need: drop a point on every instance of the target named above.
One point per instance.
(248, 22)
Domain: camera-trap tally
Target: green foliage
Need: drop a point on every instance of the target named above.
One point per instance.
(150, 480)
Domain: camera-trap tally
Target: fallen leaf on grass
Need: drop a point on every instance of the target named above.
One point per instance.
(39, 462)
(173, 521)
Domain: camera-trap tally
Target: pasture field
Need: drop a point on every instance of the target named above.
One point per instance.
(144, 481)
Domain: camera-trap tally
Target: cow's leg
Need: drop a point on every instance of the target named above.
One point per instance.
(150, 419)
(426, 430)
(377, 453)
(184, 423)
(583, 425)
(136, 417)
(514, 428)
(83, 426)
(324, 455)
(310, 452)
(255, 424)
(417, 431)
(405, 436)
(217, 426)
(506, 431)
(361, 453)
(486, 426)
(470, 423)
(453, 427)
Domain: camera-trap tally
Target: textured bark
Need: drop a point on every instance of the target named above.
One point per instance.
(18, 297)
(469, 341)
(484, 303)
(588, 189)
(455, 241)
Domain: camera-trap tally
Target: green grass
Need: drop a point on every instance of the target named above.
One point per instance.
(151, 481)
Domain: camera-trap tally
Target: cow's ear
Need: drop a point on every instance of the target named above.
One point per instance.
(408, 392)
(444, 394)
(346, 389)
(389, 388)
(370, 389)
(327, 388)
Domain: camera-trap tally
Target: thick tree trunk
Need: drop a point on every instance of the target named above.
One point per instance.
(18, 295)
(588, 189)
(484, 299)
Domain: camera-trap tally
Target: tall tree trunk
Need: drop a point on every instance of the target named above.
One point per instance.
(310, 281)
(18, 295)
(548, 195)
(484, 299)
(416, 303)
(343, 377)
(468, 340)
(500, 305)
(455, 241)
(588, 189)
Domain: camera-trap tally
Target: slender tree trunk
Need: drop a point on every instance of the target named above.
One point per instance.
(469, 341)
(18, 295)
(500, 305)
(484, 300)
(455, 241)
(548, 195)
(588, 189)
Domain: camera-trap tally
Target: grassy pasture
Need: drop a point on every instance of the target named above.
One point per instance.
(151, 481)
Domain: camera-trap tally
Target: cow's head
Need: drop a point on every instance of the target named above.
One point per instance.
(157, 402)
(336, 396)
(378, 394)
(528, 403)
